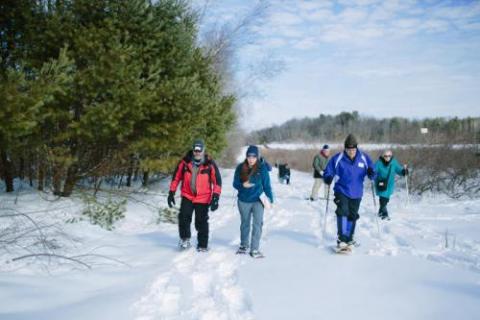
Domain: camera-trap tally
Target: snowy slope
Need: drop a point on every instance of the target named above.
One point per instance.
(405, 273)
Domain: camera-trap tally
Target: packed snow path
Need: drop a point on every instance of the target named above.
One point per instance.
(404, 273)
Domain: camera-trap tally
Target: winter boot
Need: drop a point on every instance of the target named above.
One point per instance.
(242, 250)
(184, 244)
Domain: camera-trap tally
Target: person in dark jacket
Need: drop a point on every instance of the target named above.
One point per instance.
(284, 173)
(200, 190)
(348, 170)
(319, 163)
(387, 167)
(252, 181)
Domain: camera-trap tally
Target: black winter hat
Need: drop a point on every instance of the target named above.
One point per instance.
(350, 141)
(198, 144)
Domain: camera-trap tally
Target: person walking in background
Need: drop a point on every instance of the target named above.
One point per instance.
(200, 190)
(284, 173)
(252, 181)
(319, 163)
(387, 167)
(348, 169)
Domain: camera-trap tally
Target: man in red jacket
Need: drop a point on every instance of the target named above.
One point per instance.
(200, 190)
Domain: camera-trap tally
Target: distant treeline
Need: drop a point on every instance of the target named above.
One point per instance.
(388, 130)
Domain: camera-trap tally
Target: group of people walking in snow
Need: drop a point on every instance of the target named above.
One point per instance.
(201, 186)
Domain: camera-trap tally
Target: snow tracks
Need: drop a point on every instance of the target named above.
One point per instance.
(198, 286)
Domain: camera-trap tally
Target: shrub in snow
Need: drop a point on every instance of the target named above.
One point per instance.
(104, 214)
(168, 215)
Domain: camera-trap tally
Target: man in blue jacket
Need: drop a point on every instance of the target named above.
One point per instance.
(348, 170)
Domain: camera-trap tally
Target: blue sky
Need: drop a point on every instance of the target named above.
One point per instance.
(382, 58)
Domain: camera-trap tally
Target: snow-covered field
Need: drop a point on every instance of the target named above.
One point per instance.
(405, 272)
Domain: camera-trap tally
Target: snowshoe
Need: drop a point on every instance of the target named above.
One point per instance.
(184, 244)
(256, 254)
(242, 250)
(201, 249)
(354, 243)
(343, 248)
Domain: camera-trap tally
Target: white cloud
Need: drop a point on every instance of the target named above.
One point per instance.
(370, 32)
(475, 26)
(353, 15)
(313, 5)
(305, 44)
(274, 42)
(335, 33)
(289, 31)
(455, 13)
(284, 18)
(358, 2)
(319, 15)
(435, 25)
(406, 23)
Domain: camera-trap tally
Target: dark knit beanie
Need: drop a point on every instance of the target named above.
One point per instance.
(325, 147)
(350, 142)
(253, 151)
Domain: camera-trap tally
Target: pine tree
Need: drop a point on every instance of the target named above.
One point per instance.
(105, 82)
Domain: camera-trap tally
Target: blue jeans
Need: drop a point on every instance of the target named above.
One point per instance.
(249, 210)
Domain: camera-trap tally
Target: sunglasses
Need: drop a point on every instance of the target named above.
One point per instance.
(387, 155)
(197, 151)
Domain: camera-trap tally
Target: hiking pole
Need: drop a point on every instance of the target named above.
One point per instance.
(375, 212)
(324, 229)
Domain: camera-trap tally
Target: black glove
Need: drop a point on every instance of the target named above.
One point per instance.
(171, 198)
(405, 172)
(328, 180)
(370, 172)
(214, 202)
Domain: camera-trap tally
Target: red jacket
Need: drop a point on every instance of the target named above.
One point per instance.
(208, 181)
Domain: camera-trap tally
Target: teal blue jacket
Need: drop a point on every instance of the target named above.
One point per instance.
(381, 168)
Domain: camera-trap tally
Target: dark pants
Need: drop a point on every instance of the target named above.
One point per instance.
(201, 221)
(347, 216)
(383, 212)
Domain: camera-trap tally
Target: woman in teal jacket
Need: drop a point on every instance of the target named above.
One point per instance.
(252, 180)
(386, 168)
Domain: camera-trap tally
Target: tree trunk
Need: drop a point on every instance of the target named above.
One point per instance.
(30, 170)
(21, 172)
(41, 176)
(57, 180)
(7, 171)
(145, 178)
(130, 173)
(70, 181)
(135, 175)
(97, 184)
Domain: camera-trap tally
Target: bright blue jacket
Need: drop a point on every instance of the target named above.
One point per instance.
(382, 171)
(348, 174)
(260, 180)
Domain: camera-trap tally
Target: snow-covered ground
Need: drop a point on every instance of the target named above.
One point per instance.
(405, 272)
